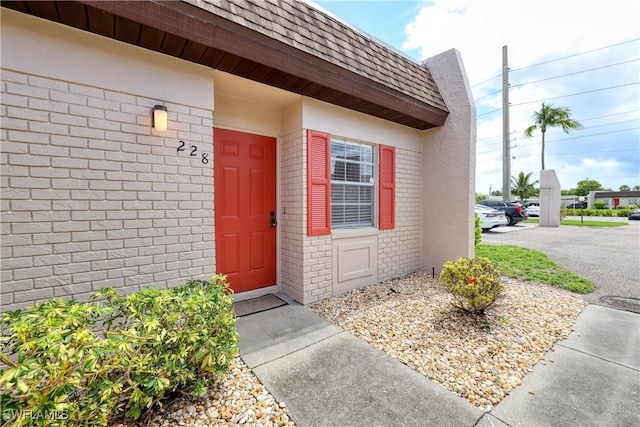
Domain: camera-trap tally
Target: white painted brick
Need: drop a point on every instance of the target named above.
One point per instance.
(32, 272)
(64, 98)
(25, 136)
(13, 124)
(69, 141)
(87, 195)
(48, 128)
(63, 269)
(88, 236)
(68, 183)
(47, 106)
(73, 290)
(87, 153)
(115, 215)
(113, 189)
(64, 228)
(64, 162)
(48, 193)
(85, 111)
(27, 91)
(33, 295)
(89, 256)
(61, 248)
(86, 90)
(91, 276)
(15, 147)
(86, 132)
(122, 272)
(30, 205)
(30, 228)
(46, 172)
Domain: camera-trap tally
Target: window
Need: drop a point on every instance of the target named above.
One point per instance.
(352, 184)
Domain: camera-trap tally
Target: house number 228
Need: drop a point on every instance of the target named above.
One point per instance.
(194, 152)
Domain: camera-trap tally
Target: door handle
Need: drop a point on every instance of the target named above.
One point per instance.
(272, 221)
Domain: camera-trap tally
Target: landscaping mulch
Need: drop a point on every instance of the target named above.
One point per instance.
(479, 357)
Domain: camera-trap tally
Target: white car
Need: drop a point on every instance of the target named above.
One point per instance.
(533, 211)
(490, 218)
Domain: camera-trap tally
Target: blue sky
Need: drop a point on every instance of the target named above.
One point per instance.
(581, 55)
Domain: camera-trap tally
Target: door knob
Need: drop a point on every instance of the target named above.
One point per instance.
(272, 221)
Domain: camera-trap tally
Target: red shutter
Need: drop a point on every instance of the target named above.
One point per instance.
(318, 183)
(387, 205)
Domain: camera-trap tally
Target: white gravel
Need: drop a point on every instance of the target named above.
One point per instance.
(481, 358)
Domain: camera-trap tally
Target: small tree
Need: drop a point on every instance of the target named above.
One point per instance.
(474, 283)
(521, 185)
(549, 116)
(587, 185)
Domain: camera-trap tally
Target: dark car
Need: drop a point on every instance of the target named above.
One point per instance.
(634, 214)
(580, 205)
(513, 211)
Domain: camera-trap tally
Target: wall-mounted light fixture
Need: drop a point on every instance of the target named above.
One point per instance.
(159, 117)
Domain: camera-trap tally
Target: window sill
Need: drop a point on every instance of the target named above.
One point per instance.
(346, 233)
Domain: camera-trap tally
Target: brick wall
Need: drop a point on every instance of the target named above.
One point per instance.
(399, 249)
(91, 197)
(306, 261)
(291, 219)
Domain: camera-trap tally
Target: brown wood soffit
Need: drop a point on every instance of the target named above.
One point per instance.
(193, 34)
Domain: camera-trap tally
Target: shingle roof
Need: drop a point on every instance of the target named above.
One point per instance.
(314, 32)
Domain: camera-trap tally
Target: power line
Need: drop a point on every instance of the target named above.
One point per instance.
(572, 56)
(554, 60)
(575, 94)
(580, 152)
(558, 140)
(581, 120)
(567, 75)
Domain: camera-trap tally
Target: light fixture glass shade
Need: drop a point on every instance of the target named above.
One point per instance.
(159, 118)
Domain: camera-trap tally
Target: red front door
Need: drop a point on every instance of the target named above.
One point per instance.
(245, 203)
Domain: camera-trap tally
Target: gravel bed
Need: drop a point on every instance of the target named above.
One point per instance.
(239, 399)
(481, 358)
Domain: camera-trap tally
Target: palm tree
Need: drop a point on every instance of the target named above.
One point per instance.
(521, 185)
(549, 116)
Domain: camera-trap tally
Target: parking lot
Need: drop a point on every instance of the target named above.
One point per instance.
(608, 256)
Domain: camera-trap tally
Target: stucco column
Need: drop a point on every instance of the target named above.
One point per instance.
(549, 198)
(448, 159)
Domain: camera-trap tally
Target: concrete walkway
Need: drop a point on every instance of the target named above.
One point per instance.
(328, 377)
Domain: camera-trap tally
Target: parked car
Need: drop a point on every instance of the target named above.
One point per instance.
(532, 210)
(634, 214)
(513, 211)
(578, 205)
(490, 218)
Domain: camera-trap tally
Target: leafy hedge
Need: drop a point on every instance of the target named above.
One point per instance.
(620, 212)
(71, 363)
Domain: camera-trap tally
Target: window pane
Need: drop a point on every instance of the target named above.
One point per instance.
(352, 185)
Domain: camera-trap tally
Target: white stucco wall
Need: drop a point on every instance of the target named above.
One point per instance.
(448, 193)
(91, 195)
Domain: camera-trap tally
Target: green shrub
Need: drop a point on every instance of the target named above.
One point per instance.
(474, 283)
(478, 230)
(599, 205)
(59, 364)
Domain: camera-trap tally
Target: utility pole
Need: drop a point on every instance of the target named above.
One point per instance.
(506, 148)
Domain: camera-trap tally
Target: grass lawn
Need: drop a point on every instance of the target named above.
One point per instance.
(587, 223)
(522, 263)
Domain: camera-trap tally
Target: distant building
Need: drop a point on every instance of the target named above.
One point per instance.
(613, 199)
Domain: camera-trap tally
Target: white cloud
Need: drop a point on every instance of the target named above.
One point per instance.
(537, 31)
